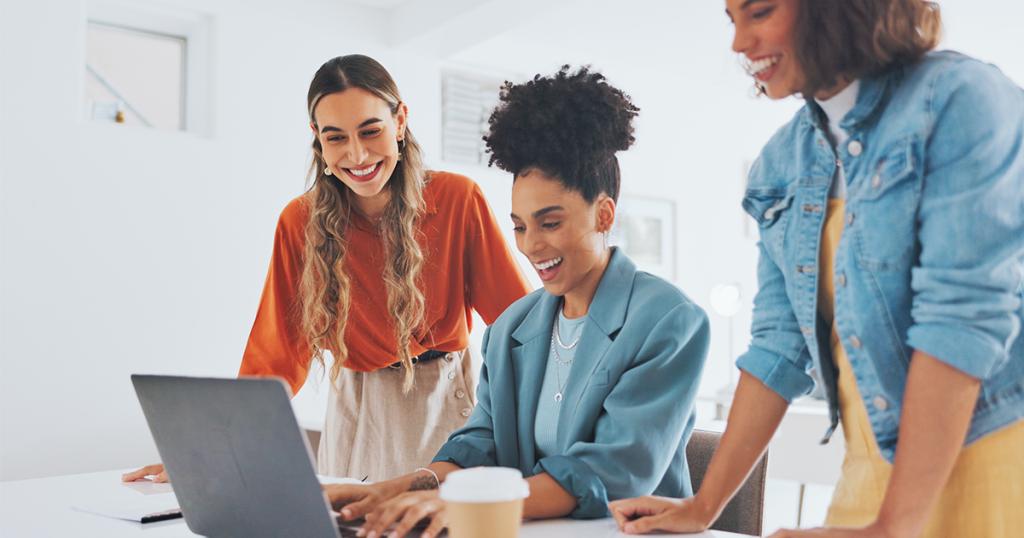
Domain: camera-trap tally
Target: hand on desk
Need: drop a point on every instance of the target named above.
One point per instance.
(647, 514)
(157, 470)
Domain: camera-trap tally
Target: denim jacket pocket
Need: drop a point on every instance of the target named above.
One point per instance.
(886, 203)
(766, 205)
(770, 208)
(890, 172)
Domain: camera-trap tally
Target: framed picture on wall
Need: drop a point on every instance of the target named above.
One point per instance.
(645, 229)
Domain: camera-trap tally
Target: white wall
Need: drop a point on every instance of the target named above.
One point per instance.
(698, 123)
(130, 250)
(125, 250)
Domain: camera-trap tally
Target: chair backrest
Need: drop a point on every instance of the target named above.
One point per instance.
(744, 512)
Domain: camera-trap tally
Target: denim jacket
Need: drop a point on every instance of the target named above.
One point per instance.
(932, 254)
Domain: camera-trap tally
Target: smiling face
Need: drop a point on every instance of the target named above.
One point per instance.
(763, 34)
(359, 136)
(561, 234)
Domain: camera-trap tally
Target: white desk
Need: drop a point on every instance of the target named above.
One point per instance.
(42, 507)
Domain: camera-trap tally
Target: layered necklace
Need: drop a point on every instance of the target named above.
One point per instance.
(556, 344)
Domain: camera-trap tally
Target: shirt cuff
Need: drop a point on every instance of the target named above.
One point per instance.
(580, 481)
(463, 455)
(776, 372)
(969, 351)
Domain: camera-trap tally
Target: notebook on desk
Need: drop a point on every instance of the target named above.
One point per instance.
(239, 463)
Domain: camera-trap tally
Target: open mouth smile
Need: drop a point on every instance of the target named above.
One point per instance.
(364, 174)
(548, 269)
(763, 68)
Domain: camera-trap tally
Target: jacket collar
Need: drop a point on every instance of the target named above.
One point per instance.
(607, 310)
(874, 89)
(605, 317)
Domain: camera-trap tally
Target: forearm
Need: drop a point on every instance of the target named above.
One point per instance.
(937, 407)
(755, 414)
(442, 468)
(548, 499)
(420, 480)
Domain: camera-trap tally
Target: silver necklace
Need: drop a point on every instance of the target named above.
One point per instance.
(558, 367)
(558, 339)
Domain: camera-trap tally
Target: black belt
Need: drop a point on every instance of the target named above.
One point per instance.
(427, 355)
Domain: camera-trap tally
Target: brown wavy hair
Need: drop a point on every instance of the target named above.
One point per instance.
(324, 288)
(857, 38)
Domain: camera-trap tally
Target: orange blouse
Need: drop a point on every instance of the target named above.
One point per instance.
(467, 265)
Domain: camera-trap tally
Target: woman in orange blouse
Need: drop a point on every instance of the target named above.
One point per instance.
(380, 263)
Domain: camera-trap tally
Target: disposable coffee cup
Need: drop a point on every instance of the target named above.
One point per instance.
(485, 502)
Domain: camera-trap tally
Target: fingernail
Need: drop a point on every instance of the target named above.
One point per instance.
(424, 535)
(373, 534)
(394, 534)
(360, 532)
(347, 514)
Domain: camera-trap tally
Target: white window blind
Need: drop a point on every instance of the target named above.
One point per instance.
(467, 102)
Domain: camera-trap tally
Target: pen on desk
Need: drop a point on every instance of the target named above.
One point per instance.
(364, 478)
(162, 516)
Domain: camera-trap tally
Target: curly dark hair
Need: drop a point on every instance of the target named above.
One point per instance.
(568, 126)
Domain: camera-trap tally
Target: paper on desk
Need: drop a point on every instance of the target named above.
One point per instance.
(128, 508)
(148, 487)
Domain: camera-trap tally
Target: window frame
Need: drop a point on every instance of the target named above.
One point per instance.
(192, 26)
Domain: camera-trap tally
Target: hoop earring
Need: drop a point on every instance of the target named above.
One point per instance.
(401, 148)
(327, 169)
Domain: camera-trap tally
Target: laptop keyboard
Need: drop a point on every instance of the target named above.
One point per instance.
(348, 529)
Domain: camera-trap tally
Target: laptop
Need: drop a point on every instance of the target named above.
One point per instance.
(239, 463)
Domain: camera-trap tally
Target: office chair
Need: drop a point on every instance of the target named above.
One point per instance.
(744, 512)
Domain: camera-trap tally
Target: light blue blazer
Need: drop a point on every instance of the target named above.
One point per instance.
(628, 407)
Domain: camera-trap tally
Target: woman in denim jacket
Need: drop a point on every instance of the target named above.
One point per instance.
(891, 213)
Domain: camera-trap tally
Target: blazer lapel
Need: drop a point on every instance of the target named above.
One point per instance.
(605, 317)
(530, 362)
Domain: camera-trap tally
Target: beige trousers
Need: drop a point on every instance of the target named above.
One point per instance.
(373, 430)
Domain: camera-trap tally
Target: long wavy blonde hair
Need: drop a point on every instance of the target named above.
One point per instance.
(324, 290)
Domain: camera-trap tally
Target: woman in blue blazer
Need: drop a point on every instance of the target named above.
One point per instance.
(588, 385)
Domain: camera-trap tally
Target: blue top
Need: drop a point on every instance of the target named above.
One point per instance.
(627, 411)
(932, 253)
(556, 378)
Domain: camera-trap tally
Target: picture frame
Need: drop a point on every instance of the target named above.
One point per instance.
(645, 229)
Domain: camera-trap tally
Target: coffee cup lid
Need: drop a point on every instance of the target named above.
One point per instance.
(485, 485)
